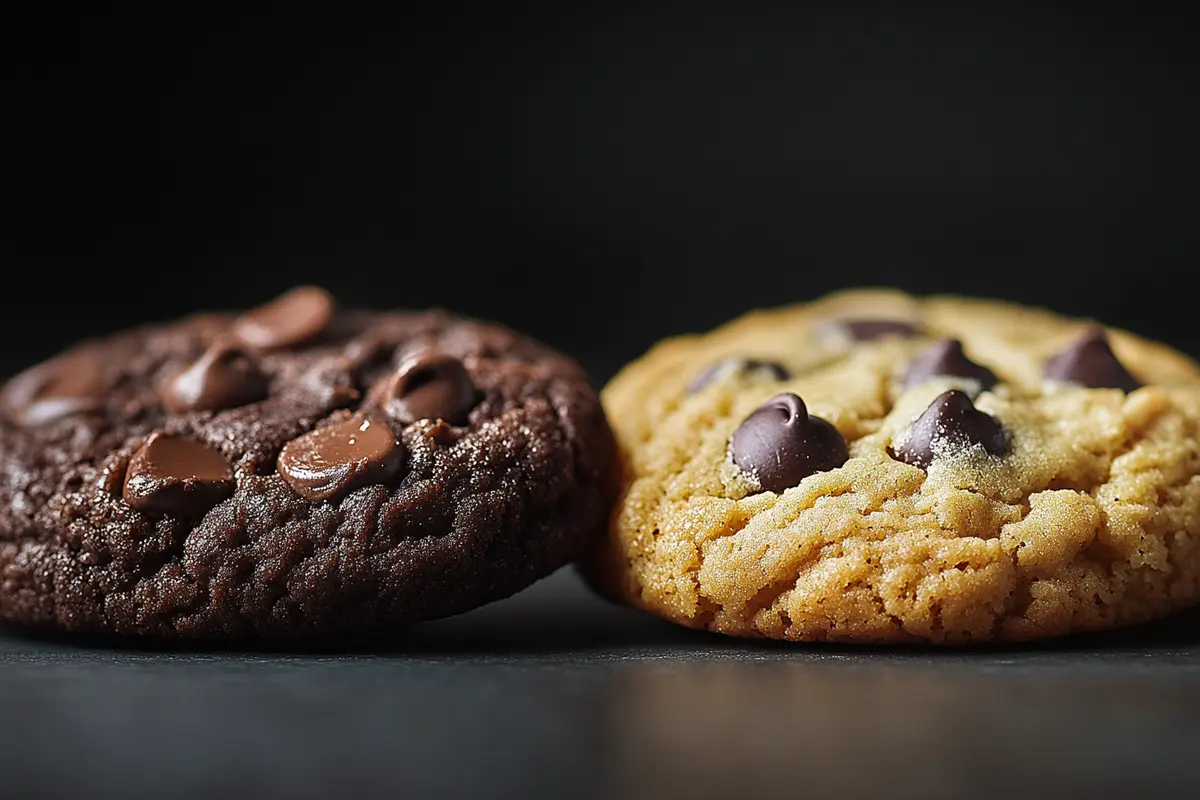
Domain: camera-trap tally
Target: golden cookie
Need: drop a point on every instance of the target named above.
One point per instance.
(874, 467)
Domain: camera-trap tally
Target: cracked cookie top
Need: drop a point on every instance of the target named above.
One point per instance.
(295, 470)
(877, 467)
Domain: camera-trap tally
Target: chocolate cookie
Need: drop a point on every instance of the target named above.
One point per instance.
(874, 467)
(293, 472)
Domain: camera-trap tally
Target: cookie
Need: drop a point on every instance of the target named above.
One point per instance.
(294, 472)
(879, 468)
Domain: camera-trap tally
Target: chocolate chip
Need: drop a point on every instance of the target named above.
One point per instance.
(70, 384)
(1089, 361)
(950, 425)
(329, 462)
(780, 444)
(946, 358)
(111, 479)
(290, 319)
(224, 377)
(176, 476)
(869, 330)
(725, 368)
(429, 385)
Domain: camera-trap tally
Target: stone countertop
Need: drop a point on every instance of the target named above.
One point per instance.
(554, 693)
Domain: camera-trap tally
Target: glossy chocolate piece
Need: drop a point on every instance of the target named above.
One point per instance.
(947, 359)
(950, 425)
(871, 330)
(176, 476)
(780, 444)
(291, 319)
(224, 377)
(70, 384)
(727, 367)
(328, 463)
(429, 385)
(1089, 361)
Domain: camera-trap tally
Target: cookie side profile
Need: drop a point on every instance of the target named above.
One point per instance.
(941, 469)
(293, 472)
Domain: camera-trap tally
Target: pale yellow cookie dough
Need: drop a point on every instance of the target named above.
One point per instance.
(1091, 521)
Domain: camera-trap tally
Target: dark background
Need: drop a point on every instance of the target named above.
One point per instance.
(600, 179)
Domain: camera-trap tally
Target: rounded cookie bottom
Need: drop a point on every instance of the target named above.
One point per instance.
(919, 586)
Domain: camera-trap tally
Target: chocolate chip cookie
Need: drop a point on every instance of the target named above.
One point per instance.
(297, 471)
(875, 467)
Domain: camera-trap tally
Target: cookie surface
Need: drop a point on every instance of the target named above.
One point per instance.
(297, 471)
(942, 469)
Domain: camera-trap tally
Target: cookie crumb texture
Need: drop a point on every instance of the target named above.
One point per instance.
(1089, 519)
(145, 489)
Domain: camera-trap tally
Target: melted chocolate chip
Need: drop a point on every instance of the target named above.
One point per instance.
(780, 444)
(176, 476)
(429, 385)
(69, 384)
(870, 330)
(329, 462)
(1089, 361)
(725, 368)
(224, 377)
(290, 319)
(946, 358)
(950, 425)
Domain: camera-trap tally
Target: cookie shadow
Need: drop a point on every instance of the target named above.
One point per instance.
(560, 620)
(621, 632)
(556, 619)
(1178, 634)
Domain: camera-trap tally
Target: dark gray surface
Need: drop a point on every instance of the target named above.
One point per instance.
(554, 693)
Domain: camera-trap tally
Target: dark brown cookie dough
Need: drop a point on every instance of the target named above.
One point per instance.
(295, 472)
